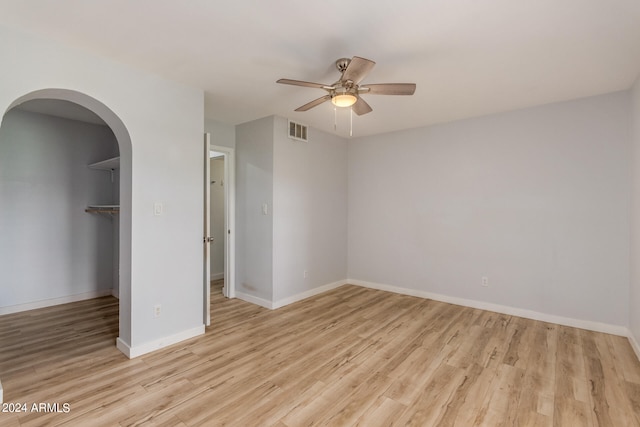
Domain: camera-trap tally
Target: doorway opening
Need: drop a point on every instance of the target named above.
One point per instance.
(78, 218)
(220, 222)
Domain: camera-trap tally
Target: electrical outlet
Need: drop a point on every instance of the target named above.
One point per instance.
(485, 281)
(157, 309)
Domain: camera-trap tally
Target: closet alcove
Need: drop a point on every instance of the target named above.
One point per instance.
(55, 248)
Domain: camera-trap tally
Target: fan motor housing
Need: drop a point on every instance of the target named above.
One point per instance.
(342, 64)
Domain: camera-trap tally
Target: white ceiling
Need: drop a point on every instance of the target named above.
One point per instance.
(467, 57)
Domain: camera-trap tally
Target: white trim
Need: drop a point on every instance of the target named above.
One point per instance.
(308, 294)
(217, 276)
(634, 344)
(255, 300)
(230, 217)
(289, 300)
(54, 301)
(123, 347)
(1, 393)
(206, 228)
(132, 352)
(512, 311)
(230, 265)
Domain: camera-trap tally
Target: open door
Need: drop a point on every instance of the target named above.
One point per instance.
(207, 232)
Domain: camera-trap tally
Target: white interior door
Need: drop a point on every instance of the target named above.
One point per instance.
(207, 232)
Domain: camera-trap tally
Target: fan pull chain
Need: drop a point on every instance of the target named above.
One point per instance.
(351, 124)
(335, 118)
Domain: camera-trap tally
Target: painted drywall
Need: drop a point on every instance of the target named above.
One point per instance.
(216, 217)
(162, 163)
(304, 188)
(634, 300)
(222, 134)
(309, 211)
(536, 200)
(254, 189)
(50, 247)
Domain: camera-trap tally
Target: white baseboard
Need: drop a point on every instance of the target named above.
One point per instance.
(308, 294)
(289, 300)
(512, 311)
(217, 276)
(123, 347)
(139, 350)
(255, 300)
(634, 344)
(54, 301)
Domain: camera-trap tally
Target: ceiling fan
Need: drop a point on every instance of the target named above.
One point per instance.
(347, 90)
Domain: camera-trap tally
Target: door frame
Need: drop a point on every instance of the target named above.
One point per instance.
(206, 232)
(229, 289)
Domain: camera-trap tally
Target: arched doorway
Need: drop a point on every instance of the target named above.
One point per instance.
(124, 144)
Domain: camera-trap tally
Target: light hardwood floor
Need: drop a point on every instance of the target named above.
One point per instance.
(351, 356)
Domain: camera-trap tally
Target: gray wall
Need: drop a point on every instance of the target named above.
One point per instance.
(535, 199)
(222, 134)
(634, 300)
(158, 124)
(254, 187)
(304, 185)
(50, 248)
(309, 211)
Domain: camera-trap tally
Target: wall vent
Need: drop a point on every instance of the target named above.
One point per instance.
(297, 131)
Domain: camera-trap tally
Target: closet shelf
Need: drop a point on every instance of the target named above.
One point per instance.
(107, 165)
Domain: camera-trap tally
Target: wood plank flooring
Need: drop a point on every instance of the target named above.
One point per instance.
(349, 357)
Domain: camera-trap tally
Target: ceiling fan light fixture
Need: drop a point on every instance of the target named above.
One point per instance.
(344, 100)
(347, 90)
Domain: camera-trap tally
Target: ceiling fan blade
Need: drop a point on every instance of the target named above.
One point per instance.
(389, 89)
(361, 107)
(358, 69)
(304, 84)
(314, 103)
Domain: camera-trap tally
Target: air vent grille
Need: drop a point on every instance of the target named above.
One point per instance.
(298, 131)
